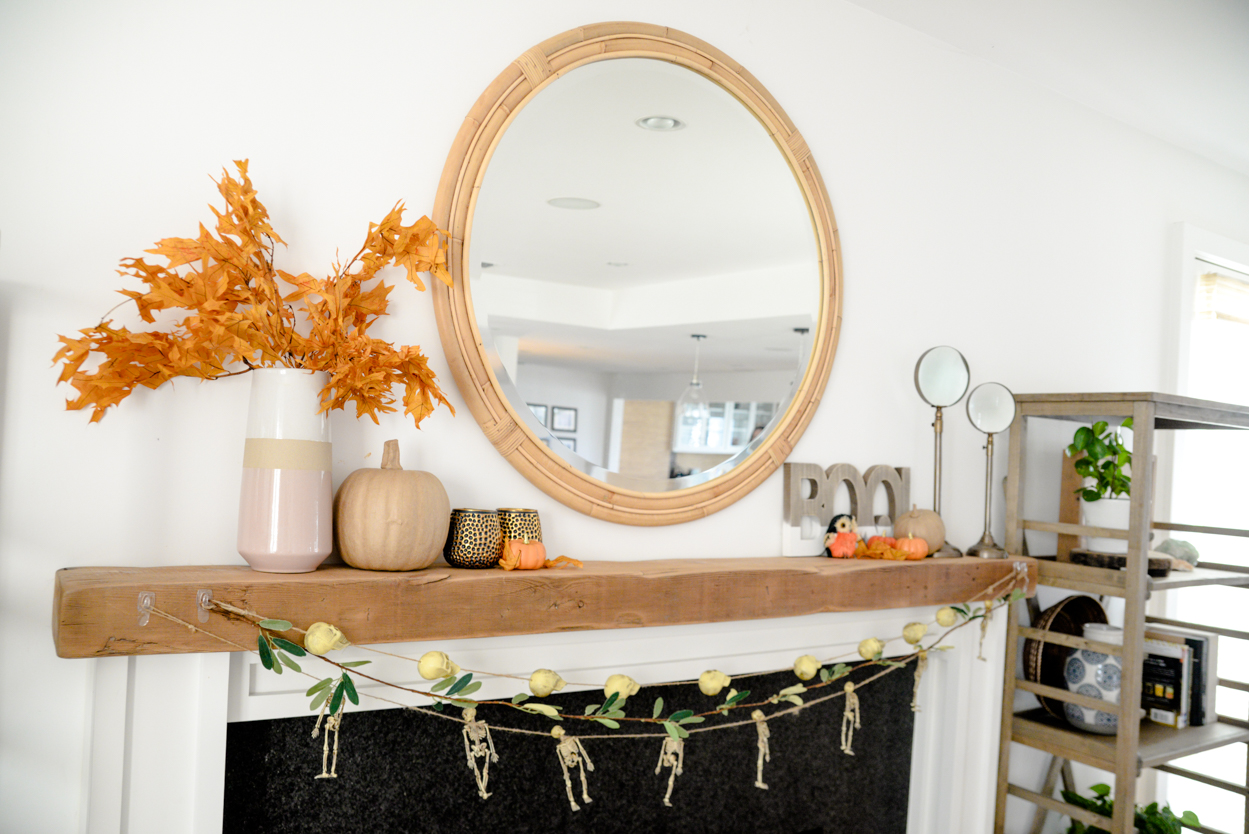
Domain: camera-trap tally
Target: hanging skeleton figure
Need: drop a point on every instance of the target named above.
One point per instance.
(921, 663)
(332, 725)
(849, 719)
(572, 754)
(672, 755)
(765, 749)
(984, 628)
(478, 745)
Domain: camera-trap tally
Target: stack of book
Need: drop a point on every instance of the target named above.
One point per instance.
(1180, 676)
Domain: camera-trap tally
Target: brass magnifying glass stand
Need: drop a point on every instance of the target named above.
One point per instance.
(947, 549)
(986, 548)
(941, 378)
(991, 409)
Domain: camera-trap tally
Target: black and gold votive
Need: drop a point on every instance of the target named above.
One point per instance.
(520, 524)
(473, 539)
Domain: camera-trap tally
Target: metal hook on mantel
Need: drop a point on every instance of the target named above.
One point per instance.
(147, 601)
(203, 603)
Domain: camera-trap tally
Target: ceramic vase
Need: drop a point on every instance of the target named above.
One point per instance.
(286, 503)
(1106, 512)
(1096, 675)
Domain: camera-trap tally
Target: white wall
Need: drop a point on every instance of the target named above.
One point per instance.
(975, 209)
(585, 391)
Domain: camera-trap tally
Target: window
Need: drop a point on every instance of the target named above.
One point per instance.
(1213, 308)
(720, 428)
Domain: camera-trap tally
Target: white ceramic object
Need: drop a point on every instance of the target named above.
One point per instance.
(1096, 675)
(1106, 512)
(286, 502)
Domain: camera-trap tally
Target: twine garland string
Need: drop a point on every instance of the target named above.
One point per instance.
(570, 750)
(989, 592)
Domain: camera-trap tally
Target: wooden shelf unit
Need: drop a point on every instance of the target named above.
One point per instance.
(96, 611)
(1137, 744)
(1157, 744)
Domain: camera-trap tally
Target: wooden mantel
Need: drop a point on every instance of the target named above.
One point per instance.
(96, 611)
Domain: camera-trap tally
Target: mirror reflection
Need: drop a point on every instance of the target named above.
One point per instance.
(644, 273)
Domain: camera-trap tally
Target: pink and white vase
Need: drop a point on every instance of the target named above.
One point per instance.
(286, 504)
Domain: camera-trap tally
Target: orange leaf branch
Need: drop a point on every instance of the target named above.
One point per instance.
(236, 313)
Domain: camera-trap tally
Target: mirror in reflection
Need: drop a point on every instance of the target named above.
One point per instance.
(631, 206)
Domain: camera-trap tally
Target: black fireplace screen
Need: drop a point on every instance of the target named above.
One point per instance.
(402, 771)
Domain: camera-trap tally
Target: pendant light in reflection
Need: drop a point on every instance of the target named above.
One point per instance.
(692, 408)
(802, 352)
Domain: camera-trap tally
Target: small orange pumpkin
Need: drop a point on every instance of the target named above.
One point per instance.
(913, 547)
(523, 555)
(889, 540)
(843, 544)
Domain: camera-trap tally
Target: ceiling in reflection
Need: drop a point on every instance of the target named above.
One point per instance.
(699, 201)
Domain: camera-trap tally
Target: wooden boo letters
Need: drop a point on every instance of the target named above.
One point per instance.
(863, 488)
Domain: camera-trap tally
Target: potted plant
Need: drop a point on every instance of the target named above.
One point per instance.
(1104, 460)
(225, 309)
(1149, 820)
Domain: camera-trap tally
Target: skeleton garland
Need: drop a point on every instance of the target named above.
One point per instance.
(671, 755)
(572, 753)
(849, 719)
(765, 748)
(332, 725)
(478, 745)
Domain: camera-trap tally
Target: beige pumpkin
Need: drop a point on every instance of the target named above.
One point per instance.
(391, 518)
(922, 524)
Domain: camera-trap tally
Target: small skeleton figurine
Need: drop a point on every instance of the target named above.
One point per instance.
(765, 749)
(478, 745)
(672, 755)
(921, 664)
(849, 719)
(984, 628)
(331, 726)
(571, 754)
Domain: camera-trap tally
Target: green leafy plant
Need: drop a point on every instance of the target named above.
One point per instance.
(1149, 820)
(1105, 458)
(275, 652)
(334, 690)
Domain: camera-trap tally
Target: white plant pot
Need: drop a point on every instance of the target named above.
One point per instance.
(1106, 512)
(286, 503)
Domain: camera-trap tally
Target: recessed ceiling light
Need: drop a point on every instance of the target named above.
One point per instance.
(616, 263)
(659, 123)
(572, 203)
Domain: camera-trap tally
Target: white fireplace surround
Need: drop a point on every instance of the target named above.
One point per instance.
(156, 744)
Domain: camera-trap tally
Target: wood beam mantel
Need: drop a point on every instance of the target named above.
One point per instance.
(96, 610)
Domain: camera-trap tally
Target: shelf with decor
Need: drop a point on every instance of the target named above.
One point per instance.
(97, 611)
(1135, 744)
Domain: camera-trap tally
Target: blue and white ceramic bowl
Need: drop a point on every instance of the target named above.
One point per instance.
(1096, 675)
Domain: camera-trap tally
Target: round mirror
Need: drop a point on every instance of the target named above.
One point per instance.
(647, 284)
(942, 376)
(991, 407)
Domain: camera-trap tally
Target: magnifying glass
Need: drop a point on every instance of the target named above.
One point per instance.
(991, 409)
(941, 378)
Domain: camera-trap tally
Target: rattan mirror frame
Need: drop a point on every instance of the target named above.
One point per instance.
(462, 342)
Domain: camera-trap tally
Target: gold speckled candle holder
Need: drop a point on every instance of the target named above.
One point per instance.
(473, 540)
(515, 523)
